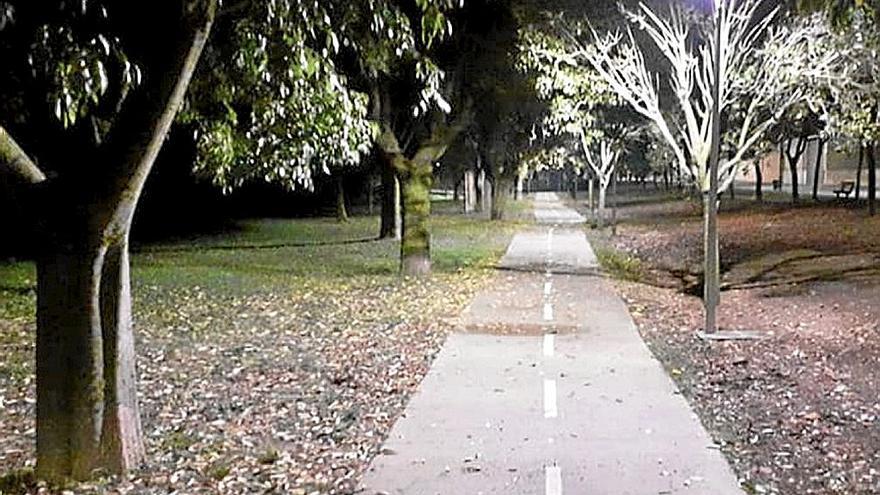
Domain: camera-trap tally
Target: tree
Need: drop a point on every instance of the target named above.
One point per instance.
(282, 110)
(855, 112)
(757, 64)
(102, 69)
(794, 131)
(763, 66)
(506, 103)
(602, 158)
(417, 122)
(114, 88)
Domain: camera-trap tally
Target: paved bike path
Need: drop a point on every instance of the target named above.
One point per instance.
(548, 389)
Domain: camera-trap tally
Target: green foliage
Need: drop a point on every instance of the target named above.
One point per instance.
(856, 90)
(620, 265)
(67, 51)
(584, 112)
(18, 482)
(843, 12)
(576, 92)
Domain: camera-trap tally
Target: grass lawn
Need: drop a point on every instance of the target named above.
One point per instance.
(275, 356)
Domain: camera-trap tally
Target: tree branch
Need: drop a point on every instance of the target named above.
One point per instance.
(141, 128)
(15, 166)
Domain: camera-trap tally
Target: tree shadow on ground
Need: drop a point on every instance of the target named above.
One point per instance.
(254, 246)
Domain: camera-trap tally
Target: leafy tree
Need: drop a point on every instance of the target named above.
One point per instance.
(582, 105)
(794, 130)
(281, 109)
(92, 80)
(855, 112)
(506, 103)
(417, 122)
(93, 69)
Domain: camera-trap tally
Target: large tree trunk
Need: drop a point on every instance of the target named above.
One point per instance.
(390, 203)
(872, 178)
(500, 193)
(816, 169)
(759, 182)
(415, 247)
(87, 413)
(341, 211)
(87, 410)
(70, 367)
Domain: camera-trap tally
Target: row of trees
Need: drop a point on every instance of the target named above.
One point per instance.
(744, 72)
(280, 90)
(270, 91)
(789, 76)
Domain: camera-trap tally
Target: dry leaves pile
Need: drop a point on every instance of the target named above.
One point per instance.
(273, 392)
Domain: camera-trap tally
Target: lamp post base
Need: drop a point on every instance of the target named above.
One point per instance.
(724, 335)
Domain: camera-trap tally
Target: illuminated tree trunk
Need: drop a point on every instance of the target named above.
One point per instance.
(87, 411)
(415, 246)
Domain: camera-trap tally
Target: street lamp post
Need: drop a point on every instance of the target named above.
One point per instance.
(711, 283)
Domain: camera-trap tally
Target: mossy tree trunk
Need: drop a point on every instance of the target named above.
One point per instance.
(416, 175)
(415, 245)
(87, 410)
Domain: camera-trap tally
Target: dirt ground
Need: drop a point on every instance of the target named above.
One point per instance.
(798, 411)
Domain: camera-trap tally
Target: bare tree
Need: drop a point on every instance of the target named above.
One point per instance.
(759, 81)
(602, 156)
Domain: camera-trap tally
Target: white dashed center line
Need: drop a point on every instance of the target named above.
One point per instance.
(552, 480)
(548, 311)
(548, 286)
(550, 410)
(549, 344)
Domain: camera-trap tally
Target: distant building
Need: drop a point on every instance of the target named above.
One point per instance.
(835, 166)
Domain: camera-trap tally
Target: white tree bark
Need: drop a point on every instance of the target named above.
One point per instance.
(602, 162)
(762, 72)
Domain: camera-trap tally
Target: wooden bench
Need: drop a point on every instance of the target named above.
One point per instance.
(846, 188)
